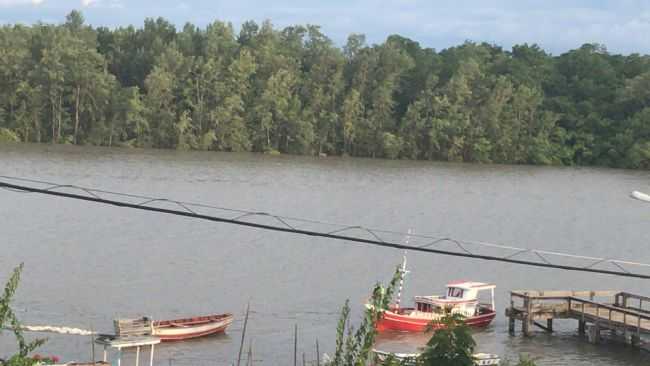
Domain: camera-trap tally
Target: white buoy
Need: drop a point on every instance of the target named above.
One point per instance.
(641, 196)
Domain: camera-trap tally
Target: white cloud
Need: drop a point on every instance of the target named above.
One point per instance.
(111, 4)
(8, 3)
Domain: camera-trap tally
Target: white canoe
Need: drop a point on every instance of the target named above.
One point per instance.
(641, 196)
(480, 359)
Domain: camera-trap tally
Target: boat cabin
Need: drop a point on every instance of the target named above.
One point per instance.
(460, 297)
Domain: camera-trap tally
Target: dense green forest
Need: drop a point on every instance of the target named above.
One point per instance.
(293, 90)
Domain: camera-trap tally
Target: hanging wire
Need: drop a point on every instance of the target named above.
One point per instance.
(459, 248)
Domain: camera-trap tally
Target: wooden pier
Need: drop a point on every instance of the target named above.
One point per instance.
(623, 315)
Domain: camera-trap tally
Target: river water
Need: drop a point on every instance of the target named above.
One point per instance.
(86, 264)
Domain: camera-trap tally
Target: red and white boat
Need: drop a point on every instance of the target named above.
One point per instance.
(461, 298)
(174, 330)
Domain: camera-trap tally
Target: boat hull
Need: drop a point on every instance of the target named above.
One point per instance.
(401, 322)
(641, 196)
(410, 359)
(183, 329)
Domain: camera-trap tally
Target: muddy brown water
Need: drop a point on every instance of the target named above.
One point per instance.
(86, 264)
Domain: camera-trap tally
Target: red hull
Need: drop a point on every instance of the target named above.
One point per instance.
(399, 322)
(183, 329)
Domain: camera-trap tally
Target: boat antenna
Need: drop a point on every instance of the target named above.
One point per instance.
(403, 271)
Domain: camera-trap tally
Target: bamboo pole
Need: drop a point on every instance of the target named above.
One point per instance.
(250, 354)
(295, 345)
(92, 344)
(243, 334)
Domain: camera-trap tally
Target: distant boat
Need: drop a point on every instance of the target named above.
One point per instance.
(641, 196)
(174, 330)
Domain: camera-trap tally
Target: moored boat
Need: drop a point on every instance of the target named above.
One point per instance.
(410, 359)
(181, 329)
(641, 196)
(176, 329)
(462, 298)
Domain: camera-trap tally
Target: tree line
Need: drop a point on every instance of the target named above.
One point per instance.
(292, 90)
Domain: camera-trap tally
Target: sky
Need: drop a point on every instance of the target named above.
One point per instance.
(623, 26)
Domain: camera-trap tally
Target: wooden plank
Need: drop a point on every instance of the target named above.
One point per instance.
(562, 294)
(132, 327)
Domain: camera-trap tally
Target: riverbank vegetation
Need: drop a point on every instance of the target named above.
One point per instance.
(292, 90)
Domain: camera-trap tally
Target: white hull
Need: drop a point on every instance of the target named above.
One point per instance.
(480, 359)
(641, 196)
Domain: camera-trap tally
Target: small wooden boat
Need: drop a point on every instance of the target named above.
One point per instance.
(410, 359)
(641, 196)
(176, 329)
(181, 329)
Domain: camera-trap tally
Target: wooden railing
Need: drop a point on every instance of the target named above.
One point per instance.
(561, 295)
(622, 300)
(628, 318)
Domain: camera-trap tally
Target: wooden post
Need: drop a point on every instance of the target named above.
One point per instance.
(295, 345)
(137, 356)
(524, 321)
(151, 356)
(638, 327)
(594, 333)
(581, 323)
(624, 325)
(92, 344)
(511, 319)
(105, 354)
(609, 323)
(250, 354)
(243, 334)
(549, 325)
(527, 325)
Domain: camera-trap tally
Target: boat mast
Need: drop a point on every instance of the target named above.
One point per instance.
(401, 280)
(403, 272)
